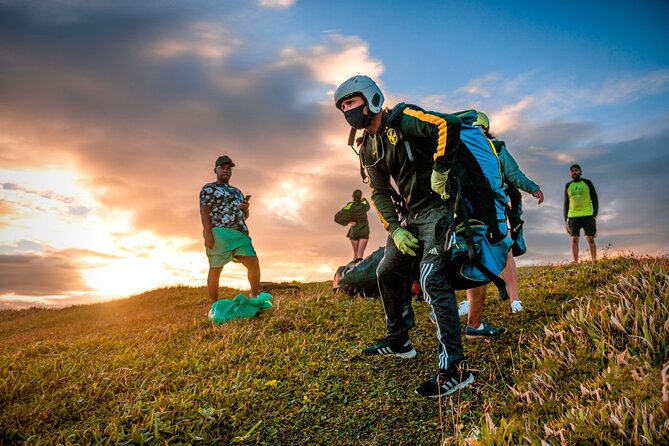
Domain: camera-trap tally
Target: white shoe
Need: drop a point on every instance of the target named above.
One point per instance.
(463, 308)
(516, 306)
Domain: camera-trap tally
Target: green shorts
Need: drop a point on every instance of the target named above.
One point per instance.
(228, 244)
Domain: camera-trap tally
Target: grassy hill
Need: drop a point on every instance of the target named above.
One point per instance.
(586, 363)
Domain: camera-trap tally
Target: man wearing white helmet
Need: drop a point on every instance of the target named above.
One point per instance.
(420, 172)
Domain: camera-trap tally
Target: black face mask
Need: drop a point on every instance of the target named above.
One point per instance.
(357, 118)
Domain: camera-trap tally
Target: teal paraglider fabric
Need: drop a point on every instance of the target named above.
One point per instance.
(241, 307)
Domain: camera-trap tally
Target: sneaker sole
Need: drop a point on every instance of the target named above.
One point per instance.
(462, 385)
(406, 355)
(469, 336)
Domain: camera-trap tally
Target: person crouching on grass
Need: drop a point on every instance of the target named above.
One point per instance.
(224, 210)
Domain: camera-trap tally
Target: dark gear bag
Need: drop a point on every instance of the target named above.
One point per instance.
(359, 277)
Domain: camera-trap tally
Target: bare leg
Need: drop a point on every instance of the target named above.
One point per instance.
(476, 301)
(510, 276)
(354, 245)
(574, 248)
(592, 246)
(212, 283)
(253, 266)
(362, 244)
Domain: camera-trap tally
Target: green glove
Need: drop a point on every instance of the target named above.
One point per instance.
(438, 181)
(405, 241)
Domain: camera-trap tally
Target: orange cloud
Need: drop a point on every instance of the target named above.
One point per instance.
(133, 151)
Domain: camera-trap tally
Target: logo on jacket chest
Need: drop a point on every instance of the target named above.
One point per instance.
(392, 135)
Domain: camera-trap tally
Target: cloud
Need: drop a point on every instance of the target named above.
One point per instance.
(206, 40)
(6, 211)
(510, 115)
(630, 88)
(481, 86)
(52, 273)
(276, 3)
(335, 60)
(139, 107)
(534, 95)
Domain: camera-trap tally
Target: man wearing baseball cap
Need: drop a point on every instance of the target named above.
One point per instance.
(224, 210)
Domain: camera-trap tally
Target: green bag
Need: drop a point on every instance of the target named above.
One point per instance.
(241, 307)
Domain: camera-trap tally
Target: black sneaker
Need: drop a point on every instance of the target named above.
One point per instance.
(446, 381)
(400, 348)
(488, 331)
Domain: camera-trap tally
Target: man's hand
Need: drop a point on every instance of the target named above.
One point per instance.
(208, 239)
(405, 241)
(566, 224)
(438, 182)
(244, 207)
(539, 196)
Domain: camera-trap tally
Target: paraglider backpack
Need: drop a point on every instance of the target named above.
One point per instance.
(475, 241)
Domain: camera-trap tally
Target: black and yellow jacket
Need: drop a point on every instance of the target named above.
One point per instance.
(433, 139)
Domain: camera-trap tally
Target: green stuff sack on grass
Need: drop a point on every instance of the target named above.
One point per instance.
(240, 307)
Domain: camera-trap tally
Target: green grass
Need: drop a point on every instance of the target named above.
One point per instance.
(587, 362)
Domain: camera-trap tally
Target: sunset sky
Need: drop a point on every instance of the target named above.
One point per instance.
(112, 114)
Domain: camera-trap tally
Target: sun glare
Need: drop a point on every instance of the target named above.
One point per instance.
(289, 199)
(126, 276)
(51, 210)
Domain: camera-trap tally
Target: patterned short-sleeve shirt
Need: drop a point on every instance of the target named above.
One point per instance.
(224, 201)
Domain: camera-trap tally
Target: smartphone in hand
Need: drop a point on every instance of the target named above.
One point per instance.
(247, 198)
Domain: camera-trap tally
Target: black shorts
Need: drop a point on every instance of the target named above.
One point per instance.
(589, 225)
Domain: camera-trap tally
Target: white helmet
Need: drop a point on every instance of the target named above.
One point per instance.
(365, 87)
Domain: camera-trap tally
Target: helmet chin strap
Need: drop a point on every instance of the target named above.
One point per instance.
(351, 142)
(351, 139)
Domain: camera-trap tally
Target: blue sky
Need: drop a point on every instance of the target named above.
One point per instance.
(112, 113)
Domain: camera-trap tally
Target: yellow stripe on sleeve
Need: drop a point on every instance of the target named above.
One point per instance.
(384, 222)
(435, 120)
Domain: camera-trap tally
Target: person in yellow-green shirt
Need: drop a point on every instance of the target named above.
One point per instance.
(354, 214)
(580, 211)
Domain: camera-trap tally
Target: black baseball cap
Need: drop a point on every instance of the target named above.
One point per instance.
(571, 167)
(224, 159)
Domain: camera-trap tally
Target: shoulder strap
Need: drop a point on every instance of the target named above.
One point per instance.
(390, 122)
(471, 249)
(406, 145)
(497, 144)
